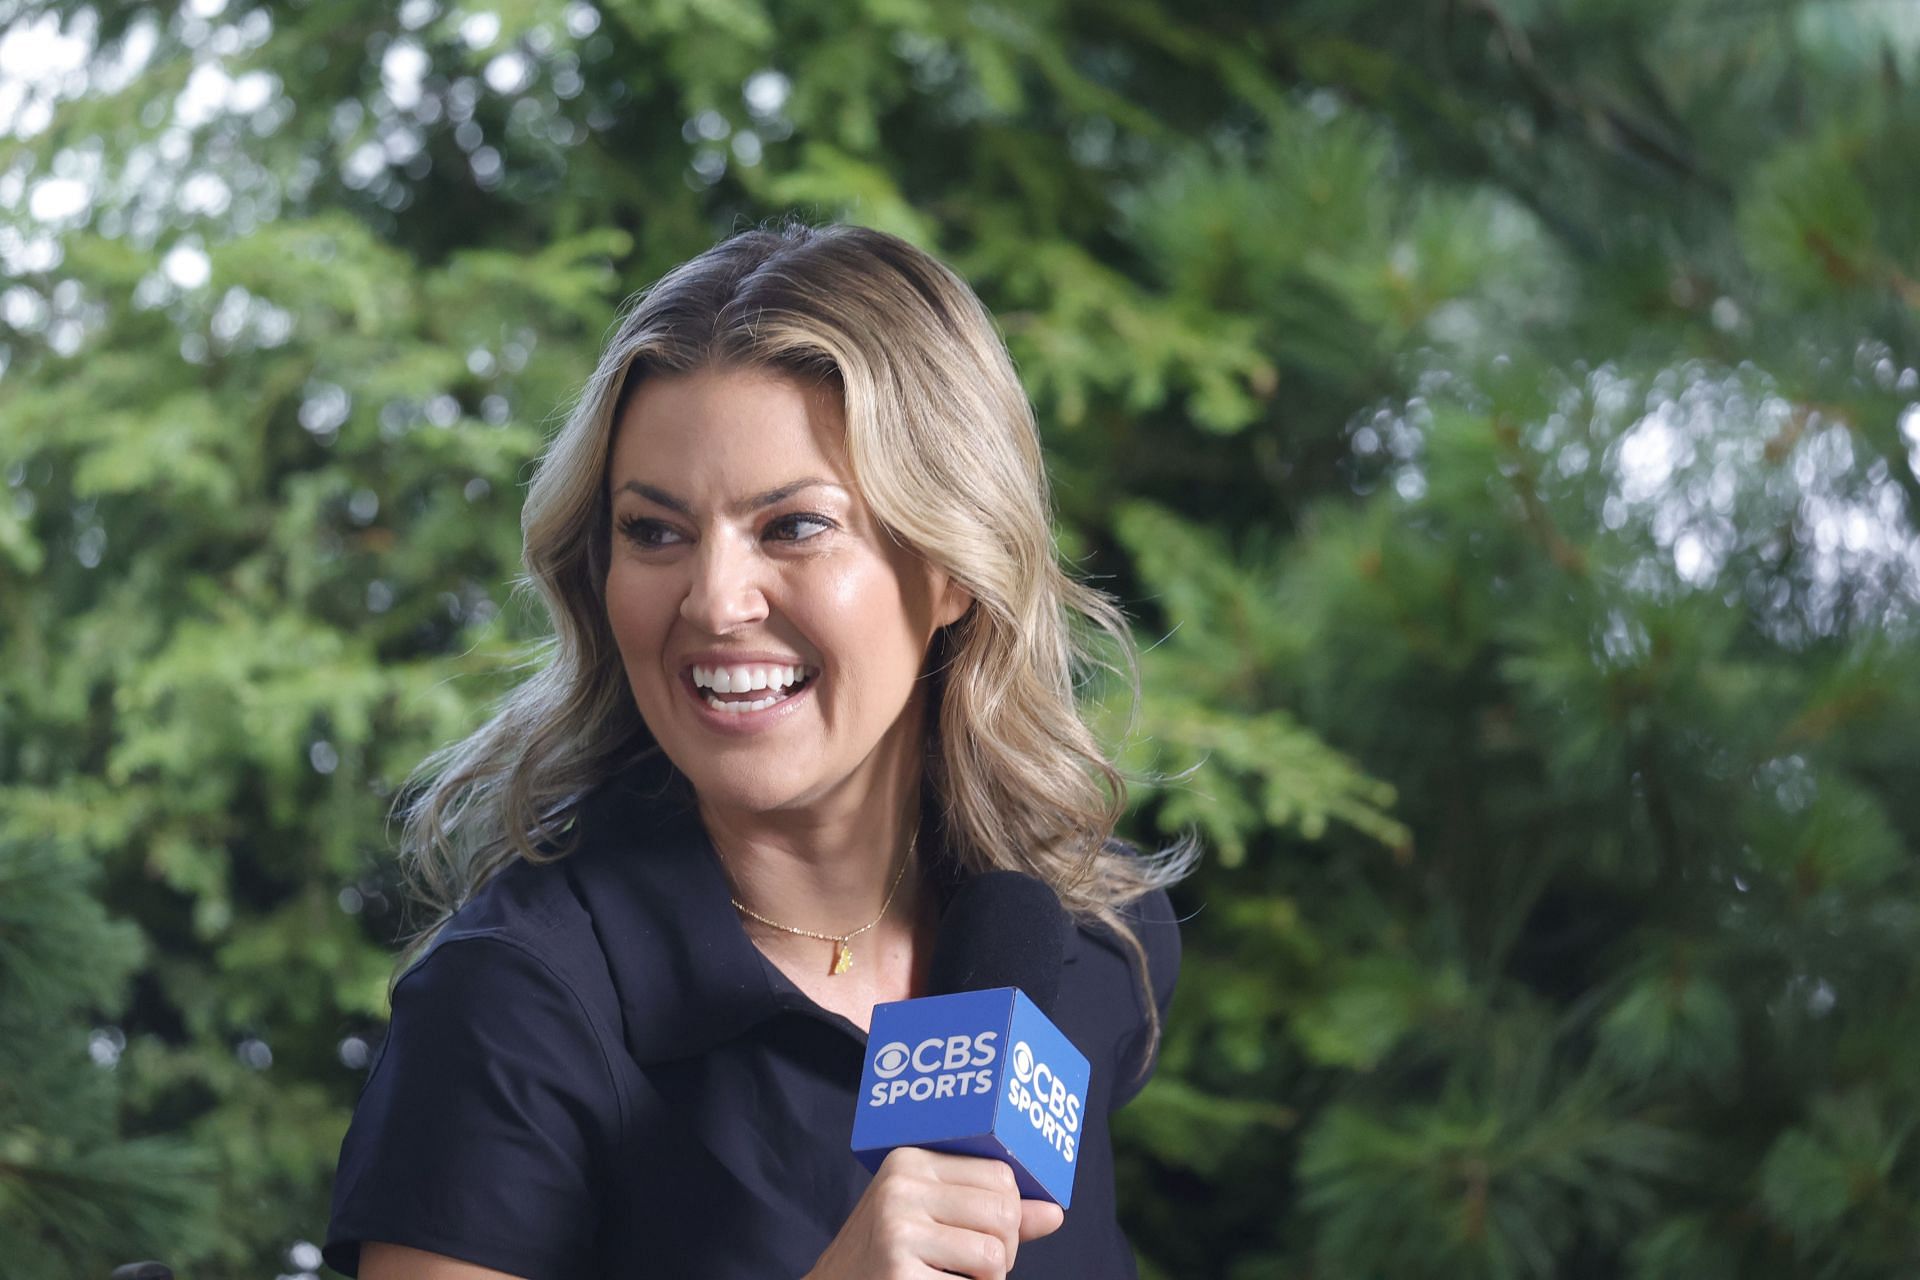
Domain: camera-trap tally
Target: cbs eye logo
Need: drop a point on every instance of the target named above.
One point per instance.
(1022, 1061)
(891, 1060)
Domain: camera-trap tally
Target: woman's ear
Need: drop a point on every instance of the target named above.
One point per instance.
(954, 602)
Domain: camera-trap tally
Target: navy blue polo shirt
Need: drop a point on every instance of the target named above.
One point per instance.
(593, 1072)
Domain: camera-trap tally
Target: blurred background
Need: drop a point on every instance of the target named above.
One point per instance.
(1500, 418)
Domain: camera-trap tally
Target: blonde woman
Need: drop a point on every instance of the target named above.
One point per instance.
(814, 665)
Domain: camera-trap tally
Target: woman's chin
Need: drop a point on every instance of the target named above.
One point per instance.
(747, 785)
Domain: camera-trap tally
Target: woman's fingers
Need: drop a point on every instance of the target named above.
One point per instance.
(966, 1253)
(970, 1171)
(993, 1213)
(997, 1209)
(959, 1215)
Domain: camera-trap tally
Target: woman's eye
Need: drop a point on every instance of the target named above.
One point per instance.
(801, 517)
(643, 533)
(652, 534)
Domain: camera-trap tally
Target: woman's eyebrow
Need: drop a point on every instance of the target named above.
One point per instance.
(754, 503)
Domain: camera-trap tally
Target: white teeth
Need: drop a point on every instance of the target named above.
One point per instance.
(741, 708)
(778, 681)
(746, 679)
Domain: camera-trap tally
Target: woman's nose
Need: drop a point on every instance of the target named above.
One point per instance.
(726, 592)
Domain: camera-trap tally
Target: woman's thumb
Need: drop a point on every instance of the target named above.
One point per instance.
(1039, 1218)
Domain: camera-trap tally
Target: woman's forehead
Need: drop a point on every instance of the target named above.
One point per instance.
(755, 429)
(732, 442)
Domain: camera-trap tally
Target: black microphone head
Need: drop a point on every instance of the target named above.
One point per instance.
(1001, 929)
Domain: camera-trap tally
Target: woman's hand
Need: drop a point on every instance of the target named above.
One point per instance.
(928, 1213)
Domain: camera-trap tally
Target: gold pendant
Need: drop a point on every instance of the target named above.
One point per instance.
(842, 957)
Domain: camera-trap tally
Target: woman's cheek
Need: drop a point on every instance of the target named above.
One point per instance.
(628, 617)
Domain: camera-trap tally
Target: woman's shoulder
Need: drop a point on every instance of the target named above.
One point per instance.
(525, 924)
(522, 930)
(522, 901)
(1152, 919)
(1109, 967)
(517, 970)
(491, 1040)
(542, 904)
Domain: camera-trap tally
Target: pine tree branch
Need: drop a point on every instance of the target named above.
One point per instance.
(1668, 838)
(1539, 521)
(1605, 123)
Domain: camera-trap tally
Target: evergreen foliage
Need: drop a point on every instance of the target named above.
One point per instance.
(1501, 418)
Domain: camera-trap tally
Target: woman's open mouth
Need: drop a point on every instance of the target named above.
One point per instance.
(768, 695)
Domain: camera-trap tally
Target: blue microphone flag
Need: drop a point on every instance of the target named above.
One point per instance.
(979, 1073)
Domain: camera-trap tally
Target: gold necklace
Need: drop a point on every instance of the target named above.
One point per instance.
(842, 953)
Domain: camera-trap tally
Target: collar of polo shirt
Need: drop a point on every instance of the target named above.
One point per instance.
(687, 975)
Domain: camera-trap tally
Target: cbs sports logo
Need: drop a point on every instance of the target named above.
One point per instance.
(944, 1067)
(1038, 1094)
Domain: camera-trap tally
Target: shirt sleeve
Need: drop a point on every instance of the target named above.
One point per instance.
(1153, 922)
(481, 1129)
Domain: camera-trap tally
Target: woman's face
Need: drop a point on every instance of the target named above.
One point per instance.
(740, 542)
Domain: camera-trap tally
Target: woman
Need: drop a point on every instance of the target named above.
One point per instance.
(815, 663)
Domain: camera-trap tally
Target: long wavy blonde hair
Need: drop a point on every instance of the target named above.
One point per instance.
(944, 449)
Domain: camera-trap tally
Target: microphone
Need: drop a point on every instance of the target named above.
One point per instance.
(978, 1068)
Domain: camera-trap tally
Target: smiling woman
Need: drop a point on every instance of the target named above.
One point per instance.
(814, 666)
(801, 575)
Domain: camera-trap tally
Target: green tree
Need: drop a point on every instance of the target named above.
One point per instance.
(73, 1185)
(1502, 420)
